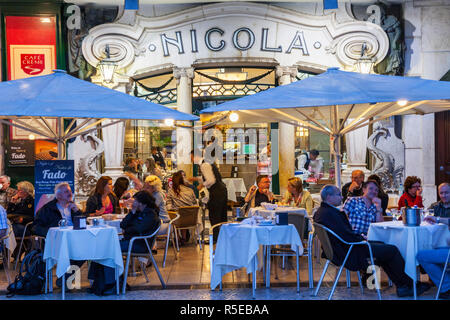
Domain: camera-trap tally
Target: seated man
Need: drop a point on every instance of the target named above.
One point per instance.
(48, 216)
(362, 211)
(433, 262)
(442, 207)
(62, 207)
(6, 192)
(386, 256)
(354, 188)
(260, 194)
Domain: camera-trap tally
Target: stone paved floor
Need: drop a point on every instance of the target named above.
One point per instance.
(187, 278)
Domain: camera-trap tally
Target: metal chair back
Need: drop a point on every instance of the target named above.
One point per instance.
(444, 271)
(188, 217)
(149, 246)
(322, 234)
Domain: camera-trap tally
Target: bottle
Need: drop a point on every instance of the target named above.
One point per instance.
(400, 189)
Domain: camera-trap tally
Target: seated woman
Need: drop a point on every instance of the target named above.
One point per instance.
(120, 187)
(297, 197)
(364, 210)
(153, 168)
(180, 196)
(21, 208)
(413, 193)
(103, 200)
(154, 185)
(381, 194)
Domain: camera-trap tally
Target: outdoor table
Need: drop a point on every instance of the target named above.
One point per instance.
(234, 185)
(410, 240)
(238, 244)
(267, 213)
(99, 244)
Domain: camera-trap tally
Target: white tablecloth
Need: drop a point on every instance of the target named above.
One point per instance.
(267, 213)
(234, 185)
(410, 240)
(10, 242)
(99, 244)
(238, 244)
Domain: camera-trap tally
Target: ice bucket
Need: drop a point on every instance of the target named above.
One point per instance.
(411, 217)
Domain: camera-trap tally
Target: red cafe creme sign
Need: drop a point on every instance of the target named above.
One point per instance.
(32, 64)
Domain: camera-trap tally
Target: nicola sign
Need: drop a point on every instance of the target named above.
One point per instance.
(216, 39)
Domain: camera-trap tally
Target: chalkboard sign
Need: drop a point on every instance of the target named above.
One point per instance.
(20, 153)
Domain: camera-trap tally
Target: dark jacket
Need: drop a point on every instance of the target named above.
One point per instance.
(346, 193)
(48, 217)
(94, 202)
(337, 221)
(440, 210)
(384, 201)
(141, 223)
(23, 209)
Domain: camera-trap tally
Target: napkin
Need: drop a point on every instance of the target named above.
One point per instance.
(94, 230)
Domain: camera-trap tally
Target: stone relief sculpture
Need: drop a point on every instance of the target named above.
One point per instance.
(390, 172)
(87, 174)
(91, 16)
(393, 63)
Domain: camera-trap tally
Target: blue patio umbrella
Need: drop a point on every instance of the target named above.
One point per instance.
(59, 95)
(325, 102)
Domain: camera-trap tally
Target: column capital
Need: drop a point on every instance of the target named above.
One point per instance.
(286, 70)
(183, 72)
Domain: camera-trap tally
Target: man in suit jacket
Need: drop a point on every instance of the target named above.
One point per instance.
(386, 256)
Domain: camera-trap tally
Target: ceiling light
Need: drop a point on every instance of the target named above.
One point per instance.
(169, 122)
(234, 117)
(402, 102)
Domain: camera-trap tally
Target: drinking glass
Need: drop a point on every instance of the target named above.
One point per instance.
(62, 223)
(395, 213)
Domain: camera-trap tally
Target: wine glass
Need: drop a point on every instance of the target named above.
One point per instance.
(395, 213)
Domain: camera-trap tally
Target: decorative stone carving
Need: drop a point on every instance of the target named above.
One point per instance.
(90, 16)
(87, 173)
(217, 30)
(389, 153)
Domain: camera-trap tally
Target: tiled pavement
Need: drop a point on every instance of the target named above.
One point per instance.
(187, 278)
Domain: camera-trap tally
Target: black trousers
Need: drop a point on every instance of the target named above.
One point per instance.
(389, 258)
(217, 206)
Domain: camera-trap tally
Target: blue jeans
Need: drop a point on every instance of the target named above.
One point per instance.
(433, 262)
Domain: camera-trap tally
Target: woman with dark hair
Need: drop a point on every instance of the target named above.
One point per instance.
(103, 200)
(381, 194)
(413, 193)
(121, 186)
(179, 195)
(153, 168)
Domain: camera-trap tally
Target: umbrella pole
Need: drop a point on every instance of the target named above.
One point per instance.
(60, 142)
(336, 147)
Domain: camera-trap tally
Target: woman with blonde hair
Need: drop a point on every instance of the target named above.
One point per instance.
(154, 185)
(21, 208)
(297, 197)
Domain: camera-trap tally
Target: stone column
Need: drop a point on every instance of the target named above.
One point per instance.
(114, 136)
(286, 135)
(183, 147)
(356, 153)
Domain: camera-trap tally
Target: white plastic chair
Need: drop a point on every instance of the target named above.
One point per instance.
(322, 233)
